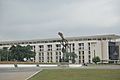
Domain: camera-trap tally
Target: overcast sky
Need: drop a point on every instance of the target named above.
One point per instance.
(38, 19)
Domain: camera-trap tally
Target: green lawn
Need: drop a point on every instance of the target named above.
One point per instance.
(77, 74)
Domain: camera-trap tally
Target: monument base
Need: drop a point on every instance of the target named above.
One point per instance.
(63, 64)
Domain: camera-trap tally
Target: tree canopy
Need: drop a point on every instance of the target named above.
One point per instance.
(96, 59)
(17, 53)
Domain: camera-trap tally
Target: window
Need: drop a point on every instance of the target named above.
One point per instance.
(73, 44)
(0, 44)
(82, 52)
(41, 47)
(73, 48)
(83, 61)
(88, 48)
(81, 46)
(51, 58)
(89, 52)
(58, 46)
(39, 54)
(56, 53)
(89, 61)
(89, 56)
(94, 53)
(88, 44)
(83, 57)
(49, 47)
(57, 57)
(59, 53)
(40, 59)
(51, 53)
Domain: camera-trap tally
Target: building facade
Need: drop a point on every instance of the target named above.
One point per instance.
(86, 47)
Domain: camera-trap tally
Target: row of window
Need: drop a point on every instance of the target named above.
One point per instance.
(49, 56)
(58, 47)
(49, 47)
(82, 58)
(58, 56)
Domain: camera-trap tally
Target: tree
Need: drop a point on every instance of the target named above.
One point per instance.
(17, 53)
(20, 52)
(96, 59)
(4, 54)
(13, 52)
(72, 57)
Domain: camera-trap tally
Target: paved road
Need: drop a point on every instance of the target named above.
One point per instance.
(17, 73)
(23, 73)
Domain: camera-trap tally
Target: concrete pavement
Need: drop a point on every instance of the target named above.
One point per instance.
(17, 73)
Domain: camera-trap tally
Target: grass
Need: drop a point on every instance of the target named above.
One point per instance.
(78, 74)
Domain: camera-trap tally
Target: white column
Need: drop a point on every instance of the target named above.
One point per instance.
(76, 52)
(53, 53)
(37, 53)
(45, 53)
(85, 52)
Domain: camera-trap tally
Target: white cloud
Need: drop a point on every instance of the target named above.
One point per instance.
(40, 18)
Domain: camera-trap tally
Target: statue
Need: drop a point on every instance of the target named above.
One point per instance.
(67, 55)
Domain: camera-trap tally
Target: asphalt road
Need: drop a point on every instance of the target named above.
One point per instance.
(17, 73)
(25, 72)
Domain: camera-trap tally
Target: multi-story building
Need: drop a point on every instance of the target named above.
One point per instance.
(86, 47)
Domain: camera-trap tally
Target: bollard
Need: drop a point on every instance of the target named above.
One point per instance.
(37, 65)
(15, 65)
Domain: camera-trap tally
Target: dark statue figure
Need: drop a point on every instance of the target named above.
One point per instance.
(67, 54)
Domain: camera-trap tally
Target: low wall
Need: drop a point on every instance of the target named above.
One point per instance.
(75, 65)
(27, 65)
(36, 65)
(6, 65)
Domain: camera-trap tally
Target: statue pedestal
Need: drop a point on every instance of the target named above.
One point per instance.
(63, 64)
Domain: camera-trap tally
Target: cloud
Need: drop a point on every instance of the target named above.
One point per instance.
(27, 19)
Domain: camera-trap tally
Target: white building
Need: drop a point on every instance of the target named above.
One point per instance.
(106, 47)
